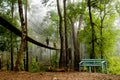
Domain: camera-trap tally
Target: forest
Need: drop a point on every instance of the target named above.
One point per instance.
(40, 36)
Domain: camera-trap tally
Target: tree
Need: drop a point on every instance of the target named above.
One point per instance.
(92, 55)
(62, 62)
(10, 16)
(23, 38)
(66, 32)
(74, 15)
(27, 56)
(12, 12)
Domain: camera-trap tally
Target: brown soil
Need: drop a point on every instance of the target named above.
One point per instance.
(8, 75)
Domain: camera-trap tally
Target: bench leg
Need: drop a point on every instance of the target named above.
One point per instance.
(79, 69)
(89, 68)
(106, 67)
(102, 68)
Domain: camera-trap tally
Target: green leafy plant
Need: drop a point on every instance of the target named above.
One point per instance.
(114, 63)
(55, 60)
(34, 66)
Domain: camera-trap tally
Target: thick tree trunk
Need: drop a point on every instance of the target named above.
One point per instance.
(76, 49)
(23, 38)
(78, 34)
(62, 62)
(66, 36)
(92, 54)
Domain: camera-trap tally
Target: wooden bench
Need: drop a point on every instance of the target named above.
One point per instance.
(93, 62)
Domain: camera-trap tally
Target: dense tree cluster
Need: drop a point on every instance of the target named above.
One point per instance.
(80, 28)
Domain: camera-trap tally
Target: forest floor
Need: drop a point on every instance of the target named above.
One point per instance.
(10, 75)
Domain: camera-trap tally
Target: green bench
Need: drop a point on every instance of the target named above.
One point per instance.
(93, 62)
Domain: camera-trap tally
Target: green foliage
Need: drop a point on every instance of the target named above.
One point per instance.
(5, 33)
(100, 4)
(34, 66)
(55, 60)
(5, 39)
(118, 7)
(49, 26)
(108, 38)
(114, 65)
(103, 13)
(5, 13)
(53, 16)
(11, 20)
(75, 9)
(50, 31)
(5, 6)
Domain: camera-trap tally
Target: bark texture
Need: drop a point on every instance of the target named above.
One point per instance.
(11, 35)
(27, 55)
(76, 48)
(92, 54)
(23, 38)
(62, 62)
(66, 36)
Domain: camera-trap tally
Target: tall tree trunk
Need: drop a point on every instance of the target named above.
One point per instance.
(12, 10)
(76, 49)
(23, 38)
(66, 36)
(92, 54)
(62, 62)
(101, 36)
(101, 45)
(27, 56)
(102, 17)
(78, 32)
(11, 35)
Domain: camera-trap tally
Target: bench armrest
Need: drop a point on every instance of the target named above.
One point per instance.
(81, 62)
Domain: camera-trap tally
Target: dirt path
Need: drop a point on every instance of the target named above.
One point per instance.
(6, 75)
